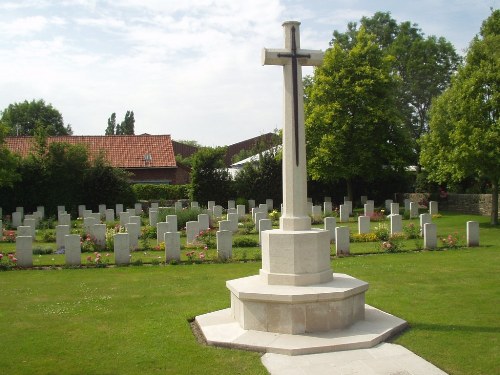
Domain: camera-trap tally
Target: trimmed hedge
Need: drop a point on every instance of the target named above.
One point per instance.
(152, 192)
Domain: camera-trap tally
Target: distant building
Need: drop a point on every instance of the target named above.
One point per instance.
(150, 158)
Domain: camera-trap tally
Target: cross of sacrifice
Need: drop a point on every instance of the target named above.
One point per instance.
(292, 58)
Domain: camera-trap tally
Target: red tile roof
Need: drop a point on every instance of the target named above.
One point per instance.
(124, 151)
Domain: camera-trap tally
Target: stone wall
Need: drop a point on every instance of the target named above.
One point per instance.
(476, 204)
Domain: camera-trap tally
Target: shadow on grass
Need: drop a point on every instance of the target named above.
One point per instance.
(452, 327)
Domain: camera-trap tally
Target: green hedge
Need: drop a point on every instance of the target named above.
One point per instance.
(150, 191)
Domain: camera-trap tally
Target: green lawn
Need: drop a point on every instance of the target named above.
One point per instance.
(131, 320)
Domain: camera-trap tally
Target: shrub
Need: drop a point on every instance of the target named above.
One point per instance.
(452, 241)
(363, 237)
(377, 216)
(411, 231)
(148, 232)
(207, 238)
(245, 242)
(42, 251)
(393, 244)
(8, 236)
(382, 232)
(48, 235)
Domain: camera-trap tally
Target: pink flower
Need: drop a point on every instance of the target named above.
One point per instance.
(1, 256)
(107, 255)
(14, 260)
(202, 256)
(11, 256)
(89, 259)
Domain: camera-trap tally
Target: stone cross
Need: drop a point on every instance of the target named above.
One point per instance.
(292, 58)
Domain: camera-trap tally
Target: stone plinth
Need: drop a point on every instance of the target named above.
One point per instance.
(297, 309)
(295, 257)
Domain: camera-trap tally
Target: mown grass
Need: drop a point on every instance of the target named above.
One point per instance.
(131, 320)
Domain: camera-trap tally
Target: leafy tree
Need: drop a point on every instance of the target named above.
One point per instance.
(8, 161)
(189, 142)
(424, 66)
(210, 179)
(104, 183)
(110, 130)
(353, 126)
(127, 125)
(261, 180)
(464, 137)
(23, 118)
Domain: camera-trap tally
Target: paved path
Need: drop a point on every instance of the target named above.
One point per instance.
(383, 359)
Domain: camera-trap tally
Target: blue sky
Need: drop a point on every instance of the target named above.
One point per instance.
(188, 68)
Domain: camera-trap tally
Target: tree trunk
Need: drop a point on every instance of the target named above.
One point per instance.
(494, 201)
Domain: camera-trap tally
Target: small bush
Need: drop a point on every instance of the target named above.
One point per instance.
(363, 237)
(382, 232)
(48, 235)
(411, 231)
(245, 242)
(160, 192)
(42, 251)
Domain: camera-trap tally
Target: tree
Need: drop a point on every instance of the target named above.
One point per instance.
(464, 137)
(127, 125)
(424, 66)
(352, 123)
(23, 118)
(210, 179)
(8, 161)
(263, 179)
(110, 130)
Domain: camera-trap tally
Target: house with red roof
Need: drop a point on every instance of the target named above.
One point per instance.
(149, 158)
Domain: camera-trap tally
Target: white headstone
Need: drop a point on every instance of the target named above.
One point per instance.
(217, 211)
(24, 231)
(99, 231)
(258, 217)
(16, 219)
(135, 220)
(424, 219)
(263, 207)
(88, 224)
(65, 219)
(21, 211)
(413, 210)
(328, 199)
(472, 233)
(232, 211)
(153, 217)
(195, 205)
(225, 225)
(430, 236)
(327, 207)
(118, 209)
(251, 204)
(407, 204)
(204, 220)
(133, 230)
(394, 208)
(388, 205)
(224, 244)
(131, 211)
(172, 221)
(240, 209)
(330, 225)
(231, 204)
(178, 206)
(316, 213)
(30, 222)
(109, 215)
(192, 231)
(96, 216)
(344, 213)
(154, 205)
(72, 250)
(102, 209)
(172, 246)
(433, 208)
(161, 229)
(270, 204)
(138, 208)
(349, 206)
(364, 198)
(124, 218)
(211, 205)
(233, 218)
(264, 224)
(24, 251)
(61, 232)
(39, 209)
(363, 224)
(122, 248)
(342, 240)
(87, 213)
(81, 208)
(396, 224)
(61, 209)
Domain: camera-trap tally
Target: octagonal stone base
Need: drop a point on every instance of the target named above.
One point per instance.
(297, 309)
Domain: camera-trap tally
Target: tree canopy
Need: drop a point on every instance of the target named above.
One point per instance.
(24, 118)
(353, 126)
(8, 161)
(210, 179)
(464, 137)
(423, 64)
(126, 127)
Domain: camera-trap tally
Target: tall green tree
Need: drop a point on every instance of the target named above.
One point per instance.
(23, 118)
(464, 137)
(352, 121)
(423, 64)
(8, 161)
(127, 125)
(110, 130)
(210, 179)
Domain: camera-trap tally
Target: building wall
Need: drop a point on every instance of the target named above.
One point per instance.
(154, 175)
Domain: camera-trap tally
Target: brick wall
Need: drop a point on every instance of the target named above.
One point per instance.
(476, 204)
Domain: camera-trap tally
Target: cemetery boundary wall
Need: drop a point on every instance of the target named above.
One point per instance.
(474, 204)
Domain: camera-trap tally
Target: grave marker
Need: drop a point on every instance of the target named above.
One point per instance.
(72, 250)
